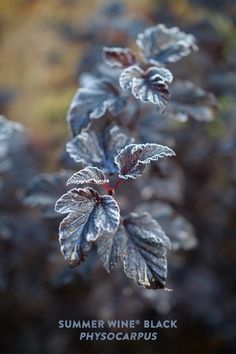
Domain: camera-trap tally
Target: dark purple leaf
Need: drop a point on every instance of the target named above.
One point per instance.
(88, 175)
(78, 117)
(109, 248)
(119, 57)
(178, 229)
(160, 45)
(149, 85)
(92, 102)
(89, 216)
(99, 149)
(141, 244)
(134, 157)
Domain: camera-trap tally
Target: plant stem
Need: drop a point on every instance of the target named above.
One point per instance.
(106, 187)
(117, 184)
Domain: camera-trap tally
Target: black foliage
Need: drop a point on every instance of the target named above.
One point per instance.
(109, 155)
(197, 187)
(123, 89)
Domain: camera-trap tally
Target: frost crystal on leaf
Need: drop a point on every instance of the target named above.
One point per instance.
(149, 85)
(78, 117)
(109, 248)
(88, 175)
(90, 215)
(98, 148)
(160, 45)
(93, 101)
(141, 244)
(133, 158)
(119, 57)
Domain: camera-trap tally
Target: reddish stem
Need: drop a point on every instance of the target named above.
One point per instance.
(109, 190)
(117, 184)
(106, 187)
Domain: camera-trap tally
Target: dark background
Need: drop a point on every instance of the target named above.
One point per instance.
(44, 46)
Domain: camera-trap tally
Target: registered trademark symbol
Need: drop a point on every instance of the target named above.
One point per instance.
(137, 322)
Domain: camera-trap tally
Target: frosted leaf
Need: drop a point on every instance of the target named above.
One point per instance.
(149, 85)
(98, 149)
(178, 229)
(78, 118)
(90, 215)
(99, 96)
(119, 57)
(88, 175)
(109, 248)
(134, 157)
(141, 244)
(45, 189)
(191, 101)
(160, 45)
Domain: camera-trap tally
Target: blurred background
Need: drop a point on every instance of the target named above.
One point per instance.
(44, 47)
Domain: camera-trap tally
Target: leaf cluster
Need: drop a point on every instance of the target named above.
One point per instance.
(101, 118)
